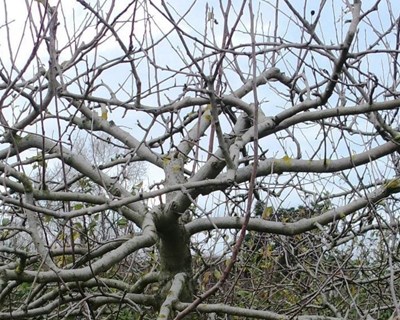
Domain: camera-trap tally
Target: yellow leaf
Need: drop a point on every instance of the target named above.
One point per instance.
(75, 235)
(392, 184)
(60, 261)
(62, 236)
(206, 277)
(176, 168)
(267, 252)
(353, 290)
(267, 212)
(166, 160)
(4, 234)
(207, 113)
(217, 274)
(104, 112)
(208, 117)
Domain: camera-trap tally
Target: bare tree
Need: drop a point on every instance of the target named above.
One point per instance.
(271, 135)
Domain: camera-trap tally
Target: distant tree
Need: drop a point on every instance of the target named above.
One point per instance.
(270, 135)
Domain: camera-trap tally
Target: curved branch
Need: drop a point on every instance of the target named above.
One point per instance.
(248, 313)
(147, 239)
(298, 227)
(177, 286)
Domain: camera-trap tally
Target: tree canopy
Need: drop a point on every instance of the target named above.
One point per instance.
(199, 160)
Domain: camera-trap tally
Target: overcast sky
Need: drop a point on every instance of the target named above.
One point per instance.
(17, 33)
